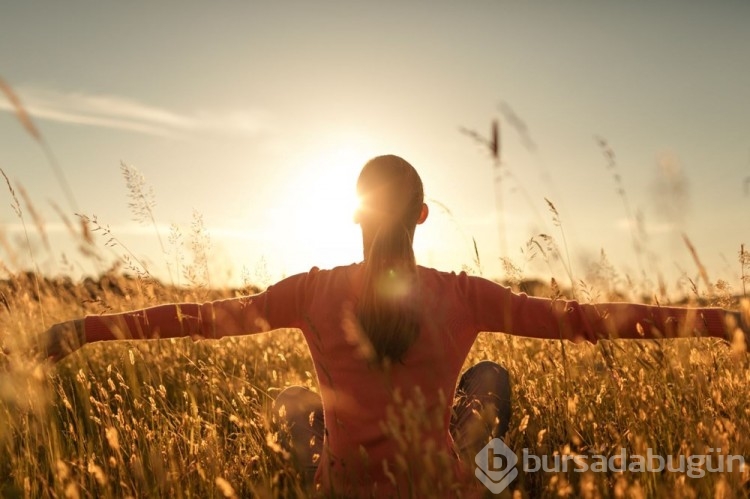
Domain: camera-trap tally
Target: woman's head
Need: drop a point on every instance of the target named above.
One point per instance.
(391, 195)
(391, 205)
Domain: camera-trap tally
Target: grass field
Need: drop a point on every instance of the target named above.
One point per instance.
(177, 418)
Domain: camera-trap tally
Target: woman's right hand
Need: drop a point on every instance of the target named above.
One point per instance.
(61, 340)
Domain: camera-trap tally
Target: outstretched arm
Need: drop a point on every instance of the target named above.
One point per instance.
(235, 316)
(279, 306)
(497, 308)
(176, 320)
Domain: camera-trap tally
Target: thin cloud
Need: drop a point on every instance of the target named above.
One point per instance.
(51, 114)
(134, 229)
(122, 113)
(649, 228)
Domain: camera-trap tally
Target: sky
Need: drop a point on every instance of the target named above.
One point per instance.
(256, 118)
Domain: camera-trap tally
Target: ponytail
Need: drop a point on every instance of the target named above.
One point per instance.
(388, 309)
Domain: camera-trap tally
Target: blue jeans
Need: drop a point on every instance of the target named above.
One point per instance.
(481, 411)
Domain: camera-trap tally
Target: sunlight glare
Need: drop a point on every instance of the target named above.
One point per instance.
(315, 215)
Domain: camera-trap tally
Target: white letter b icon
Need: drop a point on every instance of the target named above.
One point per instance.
(496, 465)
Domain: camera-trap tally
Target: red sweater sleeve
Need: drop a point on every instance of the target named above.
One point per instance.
(497, 308)
(281, 305)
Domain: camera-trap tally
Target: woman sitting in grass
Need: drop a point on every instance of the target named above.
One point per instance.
(388, 339)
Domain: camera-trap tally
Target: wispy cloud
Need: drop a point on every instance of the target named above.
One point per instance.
(123, 113)
(128, 229)
(648, 228)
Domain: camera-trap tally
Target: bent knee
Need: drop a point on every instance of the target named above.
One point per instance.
(489, 376)
(490, 368)
(295, 398)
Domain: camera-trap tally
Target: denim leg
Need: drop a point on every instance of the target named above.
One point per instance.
(482, 408)
(303, 414)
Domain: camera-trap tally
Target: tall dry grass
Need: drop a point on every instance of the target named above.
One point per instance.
(181, 419)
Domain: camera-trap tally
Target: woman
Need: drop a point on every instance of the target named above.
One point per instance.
(388, 339)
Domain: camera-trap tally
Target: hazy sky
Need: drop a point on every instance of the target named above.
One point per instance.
(259, 115)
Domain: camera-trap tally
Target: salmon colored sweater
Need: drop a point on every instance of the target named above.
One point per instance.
(361, 404)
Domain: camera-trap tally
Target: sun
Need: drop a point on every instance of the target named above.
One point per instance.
(315, 215)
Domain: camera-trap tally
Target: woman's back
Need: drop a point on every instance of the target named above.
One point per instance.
(367, 406)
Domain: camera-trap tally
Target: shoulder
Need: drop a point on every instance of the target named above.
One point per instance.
(461, 282)
(317, 277)
(440, 277)
(342, 272)
(442, 283)
(338, 270)
(430, 272)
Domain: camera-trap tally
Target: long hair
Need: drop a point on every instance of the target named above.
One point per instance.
(391, 195)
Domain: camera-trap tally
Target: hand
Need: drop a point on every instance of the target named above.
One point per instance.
(739, 321)
(62, 339)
